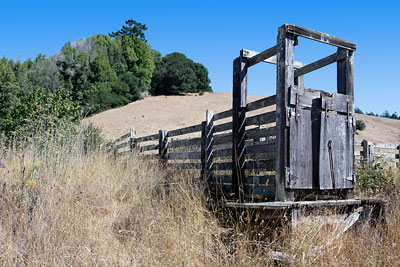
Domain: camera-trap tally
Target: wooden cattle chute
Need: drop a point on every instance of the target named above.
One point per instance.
(296, 147)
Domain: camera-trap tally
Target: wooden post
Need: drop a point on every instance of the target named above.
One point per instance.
(132, 140)
(398, 163)
(368, 151)
(284, 80)
(345, 72)
(239, 125)
(208, 141)
(299, 81)
(163, 146)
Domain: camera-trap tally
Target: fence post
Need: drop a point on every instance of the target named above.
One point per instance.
(207, 150)
(132, 139)
(368, 151)
(163, 146)
(239, 125)
(398, 163)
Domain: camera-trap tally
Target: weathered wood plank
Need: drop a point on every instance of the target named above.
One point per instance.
(250, 180)
(119, 139)
(185, 130)
(386, 155)
(260, 119)
(336, 165)
(223, 115)
(305, 97)
(163, 146)
(272, 60)
(319, 36)
(267, 164)
(261, 56)
(184, 166)
(132, 139)
(184, 155)
(223, 127)
(387, 146)
(335, 57)
(222, 153)
(185, 142)
(263, 148)
(357, 143)
(261, 103)
(338, 102)
(208, 146)
(284, 81)
(345, 75)
(222, 166)
(125, 144)
(301, 151)
(149, 147)
(222, 138)
(257, 133)
(249, 190)
(147, 138)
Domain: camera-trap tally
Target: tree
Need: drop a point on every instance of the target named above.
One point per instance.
(132, 28)
(176, 74)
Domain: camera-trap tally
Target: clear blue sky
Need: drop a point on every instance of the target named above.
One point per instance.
(213, 32)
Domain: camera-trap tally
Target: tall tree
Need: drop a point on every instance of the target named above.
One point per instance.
(132, 28)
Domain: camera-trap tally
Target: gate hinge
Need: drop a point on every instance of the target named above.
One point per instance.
(287, 175)
(290, 112)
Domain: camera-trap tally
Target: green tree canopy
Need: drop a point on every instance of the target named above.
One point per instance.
(176, 74)
(132, 28)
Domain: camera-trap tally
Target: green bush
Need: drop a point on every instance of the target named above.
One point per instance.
(374, 178)
(360, 125)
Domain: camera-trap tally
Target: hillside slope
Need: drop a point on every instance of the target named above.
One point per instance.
(171, 112)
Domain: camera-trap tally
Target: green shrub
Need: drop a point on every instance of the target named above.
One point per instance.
(376, 179)
(360, 125)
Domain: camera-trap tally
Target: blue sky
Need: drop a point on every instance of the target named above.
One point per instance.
(213, 32)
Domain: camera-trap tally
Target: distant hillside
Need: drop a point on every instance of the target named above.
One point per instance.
(170, 112)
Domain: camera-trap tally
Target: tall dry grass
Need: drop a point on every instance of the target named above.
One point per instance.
(62, 206)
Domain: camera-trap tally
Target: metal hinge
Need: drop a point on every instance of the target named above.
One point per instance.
(287, 175)
(290, 112)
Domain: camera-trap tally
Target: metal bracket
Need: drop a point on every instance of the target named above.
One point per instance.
(290, 112)
(288, 175)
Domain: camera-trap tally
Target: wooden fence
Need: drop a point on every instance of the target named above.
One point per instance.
(370, 151)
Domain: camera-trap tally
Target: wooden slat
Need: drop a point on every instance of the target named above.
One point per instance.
(335, 57)
(319, 36)
(185, 142)
(222, 153)
(261, 56)
(223, 115)
(260, 119)
(185, 166)
(223, 127)
(345, 74)
(186, 130)
(184, 155)
(386, 155)
(249, 190)
(305, 97)
(119, 139)
(148, 147)
(222, 166)
(122, 145)
(258, 133)
(261, 103)
(357, 143)
(263, 148)
(260, 164)
(337, 102)
(222, 139)
(147, 138)
(266, 180)
(272, 60)
(387, 146)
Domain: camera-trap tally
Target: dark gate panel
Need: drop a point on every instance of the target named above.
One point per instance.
(336, 152)
(300, 173)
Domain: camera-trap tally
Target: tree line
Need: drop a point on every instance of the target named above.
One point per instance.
(92, 75)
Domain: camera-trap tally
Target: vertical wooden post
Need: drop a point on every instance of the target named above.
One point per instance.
(132, 140)
(163, 146)
(345, 74)
(284, 80)
(239, 125)
(299, 81)
(398, 163)
(208, 141)
(368, 151)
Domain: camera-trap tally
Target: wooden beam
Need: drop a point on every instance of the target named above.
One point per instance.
(163, 146)
(239, 106)
(319, 36)
(335, 57)
(261, 56)
(271, 60)
(345, 74)
(284, 81)
(132, 139)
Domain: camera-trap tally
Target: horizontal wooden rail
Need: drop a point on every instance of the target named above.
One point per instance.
(147, 138)
(335, 57)
(257, 133)
(185, 142)
(319, 36)
(261, 180)
(149, 147)
(184, 155)
(249, 190)
(257, 58)
(186, 130)
(261, 119)
(223, 115)
(271, 60)
(261, 103)
(185, 166)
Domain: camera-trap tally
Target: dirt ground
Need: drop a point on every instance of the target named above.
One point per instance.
(172, 112)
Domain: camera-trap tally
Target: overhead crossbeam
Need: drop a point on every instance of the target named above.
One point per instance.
(257, 58)
(271, 60)
(319, 37)
(335, 57)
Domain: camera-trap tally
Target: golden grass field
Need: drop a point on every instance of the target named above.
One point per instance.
(62, 207)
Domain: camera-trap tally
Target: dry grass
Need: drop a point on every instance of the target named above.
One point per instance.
(59, 206)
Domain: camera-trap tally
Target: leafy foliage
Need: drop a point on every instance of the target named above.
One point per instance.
(360, 125)
(176, 74)
(132, 28)
(373, 178)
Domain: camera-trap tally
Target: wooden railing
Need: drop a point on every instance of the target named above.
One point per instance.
(370, 151)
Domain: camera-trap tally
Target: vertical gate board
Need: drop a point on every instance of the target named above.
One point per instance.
(335, 128)
(301, 160)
